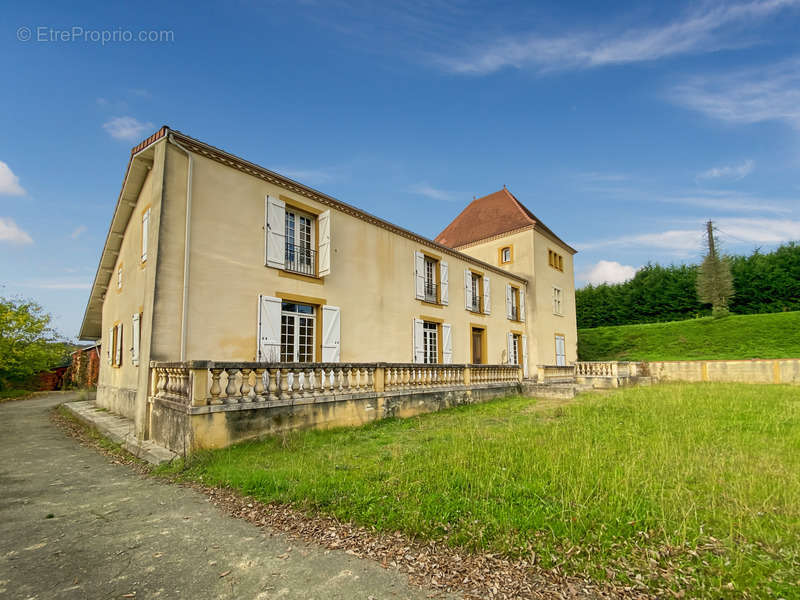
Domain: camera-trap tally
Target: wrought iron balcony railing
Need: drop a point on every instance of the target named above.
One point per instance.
(431, 292)
(301, 259)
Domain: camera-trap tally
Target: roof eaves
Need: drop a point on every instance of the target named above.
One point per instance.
(113, 238)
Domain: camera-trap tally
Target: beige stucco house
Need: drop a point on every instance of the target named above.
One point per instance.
(211, 257)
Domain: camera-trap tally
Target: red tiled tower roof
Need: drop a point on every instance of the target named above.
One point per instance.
(497, 213)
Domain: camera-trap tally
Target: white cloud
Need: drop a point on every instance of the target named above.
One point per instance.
(78, 231)
(424, 189)
(9, 183)
(735, 172)
(10, 232)
(701, 31)
(687, 242)
(609, 271)
(747, 96)
(126, 128)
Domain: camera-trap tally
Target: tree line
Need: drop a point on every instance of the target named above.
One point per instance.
(762, 282)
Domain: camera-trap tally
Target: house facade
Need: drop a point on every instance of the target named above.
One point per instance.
(211, 257)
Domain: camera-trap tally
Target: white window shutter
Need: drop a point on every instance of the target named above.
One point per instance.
(467, 289)
(443, 280)
(525, 356)
(509, 300)
(275, 232)
(487, 296)
(447, 344)
(561, 358)
(324, 250)
(119, 344)
(419, 275)
(510, 347)
(135, 334)
(522, 303)
(331, 334)
(145, 233)
(419, 343)
(110, 350)
(269, 329)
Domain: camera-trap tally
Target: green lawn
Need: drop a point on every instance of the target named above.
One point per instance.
(698, 482)
(775, 335)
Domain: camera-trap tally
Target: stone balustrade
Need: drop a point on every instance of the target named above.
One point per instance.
(207, 383)
(596, 369)
(556, 373)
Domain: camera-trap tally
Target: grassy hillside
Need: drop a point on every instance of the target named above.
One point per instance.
(774, 335)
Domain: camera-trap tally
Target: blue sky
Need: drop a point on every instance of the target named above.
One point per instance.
(623, 129)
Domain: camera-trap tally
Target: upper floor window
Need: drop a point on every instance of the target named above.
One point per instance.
(300, 252)
(555, 260)
(430, 279)
(515, 303)
(297, 240)
(145, 233)
(557, 297)
(477, 292)
(119, 277)
(506, 255)
(475, 283)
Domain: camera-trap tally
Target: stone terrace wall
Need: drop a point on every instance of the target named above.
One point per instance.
(786, 370)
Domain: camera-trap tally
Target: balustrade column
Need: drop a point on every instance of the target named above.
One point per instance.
(246, 385)
(259, 388)
(215, 390)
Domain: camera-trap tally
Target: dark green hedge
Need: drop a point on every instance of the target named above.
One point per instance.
(764, 283)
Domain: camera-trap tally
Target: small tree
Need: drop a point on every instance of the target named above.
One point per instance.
(28, 343)
(714, 279)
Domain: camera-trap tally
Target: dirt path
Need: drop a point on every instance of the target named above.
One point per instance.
(75, 525)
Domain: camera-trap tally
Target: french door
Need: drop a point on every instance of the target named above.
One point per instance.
(298, 326)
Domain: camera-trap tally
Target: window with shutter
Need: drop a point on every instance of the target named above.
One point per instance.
(447, 344)
(525, 356)
(324, 254)
(118, 345)
(561, 350)
(444, 283)
(136, 332)
(145, 233)
(331, 334)
(487, 296)
(269, 329)
(418, 343)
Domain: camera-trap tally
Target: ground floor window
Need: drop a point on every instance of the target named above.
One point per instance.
(430, 341)
(298, 324)
(516, 344)
(561, 350)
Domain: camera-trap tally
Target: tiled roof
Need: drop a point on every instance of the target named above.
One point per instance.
(486, 217)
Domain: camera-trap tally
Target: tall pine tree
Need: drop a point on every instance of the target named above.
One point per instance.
(714, 279)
